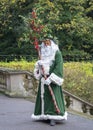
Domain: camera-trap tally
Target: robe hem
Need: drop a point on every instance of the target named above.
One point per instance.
(45, 117)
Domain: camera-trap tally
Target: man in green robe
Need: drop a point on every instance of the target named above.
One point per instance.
(49, 106)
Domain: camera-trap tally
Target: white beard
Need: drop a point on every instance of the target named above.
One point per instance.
(48, 55)
(46, 52)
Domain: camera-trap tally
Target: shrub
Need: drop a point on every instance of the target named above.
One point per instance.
(79, 80)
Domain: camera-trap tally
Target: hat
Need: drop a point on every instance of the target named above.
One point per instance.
(47, 37)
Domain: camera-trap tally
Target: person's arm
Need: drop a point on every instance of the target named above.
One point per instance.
(58, 67)
(56, 75)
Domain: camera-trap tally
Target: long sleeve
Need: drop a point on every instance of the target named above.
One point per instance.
(56, 70)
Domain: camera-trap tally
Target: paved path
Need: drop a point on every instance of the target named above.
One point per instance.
(15, 115)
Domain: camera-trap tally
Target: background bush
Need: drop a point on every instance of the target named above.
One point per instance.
(79, 79)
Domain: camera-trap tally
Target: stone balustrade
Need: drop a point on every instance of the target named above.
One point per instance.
(17, 83)
(75, 103)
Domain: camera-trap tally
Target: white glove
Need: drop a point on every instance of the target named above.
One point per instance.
(40, 62)
(37, 73)
(47, 81)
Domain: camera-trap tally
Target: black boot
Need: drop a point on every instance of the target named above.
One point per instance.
(52, 122)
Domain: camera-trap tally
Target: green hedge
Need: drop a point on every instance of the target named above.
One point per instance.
(79, 79)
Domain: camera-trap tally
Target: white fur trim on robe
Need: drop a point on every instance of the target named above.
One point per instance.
(56, 79)
(45, 117)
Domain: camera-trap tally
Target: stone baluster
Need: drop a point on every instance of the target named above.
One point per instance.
(88, 110)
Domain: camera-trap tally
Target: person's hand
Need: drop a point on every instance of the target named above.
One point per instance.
(47, 81)
(37, 73)
(39, 62)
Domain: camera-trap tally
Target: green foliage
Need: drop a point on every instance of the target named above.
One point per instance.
(67, 21)
(11, 26)
(75, 55)
(70, 21)
(21, 65)
(79, 79)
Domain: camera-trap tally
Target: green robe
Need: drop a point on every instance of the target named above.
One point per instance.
(49, 108)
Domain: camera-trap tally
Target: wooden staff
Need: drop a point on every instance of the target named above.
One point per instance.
(37, 30)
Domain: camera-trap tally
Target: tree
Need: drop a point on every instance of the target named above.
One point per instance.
(70, 21)
(11, 25)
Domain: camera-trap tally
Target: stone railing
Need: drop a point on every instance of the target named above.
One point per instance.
(75, 103)
(17, 83)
